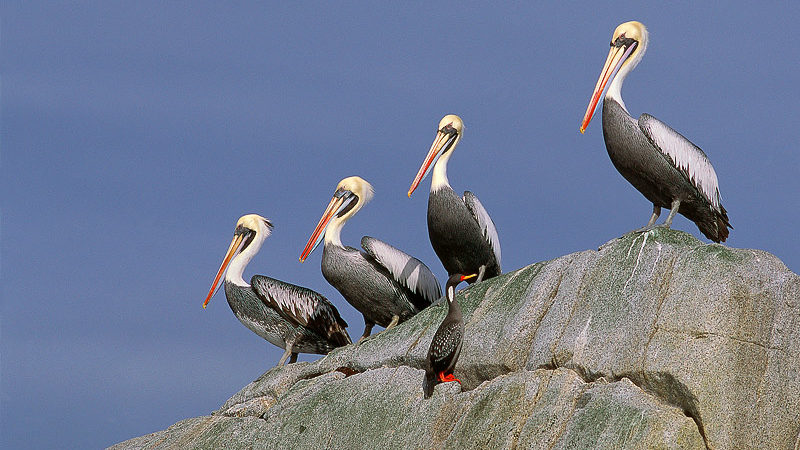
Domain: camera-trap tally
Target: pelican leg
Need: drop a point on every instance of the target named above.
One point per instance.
(656, 213)
(676, 204)
(286, 354)
(366, 336)
(481, 273)
(395, 320)
(367, 331)
(652, 222)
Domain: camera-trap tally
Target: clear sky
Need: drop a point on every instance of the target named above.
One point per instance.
(134, 135)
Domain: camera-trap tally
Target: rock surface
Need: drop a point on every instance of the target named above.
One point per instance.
(655, 340)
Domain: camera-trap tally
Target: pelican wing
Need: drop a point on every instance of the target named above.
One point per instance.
(685, 156)
(484, 221)
(302, 306)
(404, 268)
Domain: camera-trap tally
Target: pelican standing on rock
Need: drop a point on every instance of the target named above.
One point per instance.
(446, 343)
(384, 284)
(462, 233)
(291, 317)
(660, 163)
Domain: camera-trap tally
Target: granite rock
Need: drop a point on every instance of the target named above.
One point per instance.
(654, 340)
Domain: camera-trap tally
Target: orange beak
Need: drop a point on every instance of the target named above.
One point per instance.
(616, 57)
(336, 205)
(232, 250)
(439, 143)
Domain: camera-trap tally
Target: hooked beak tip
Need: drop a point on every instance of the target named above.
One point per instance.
(583, 129)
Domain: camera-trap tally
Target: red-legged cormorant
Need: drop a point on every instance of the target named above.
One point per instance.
(446, 343)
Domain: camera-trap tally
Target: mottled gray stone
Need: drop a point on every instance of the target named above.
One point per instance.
(654, 340)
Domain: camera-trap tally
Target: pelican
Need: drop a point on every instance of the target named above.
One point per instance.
(446, 343)
(664, 166)
(384, 284)
(462, 233)
(291, 317)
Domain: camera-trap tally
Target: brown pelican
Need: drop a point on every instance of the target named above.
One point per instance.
(384, 284)
(462, 233)
(660, 163)
(446, 343)
(288, 316)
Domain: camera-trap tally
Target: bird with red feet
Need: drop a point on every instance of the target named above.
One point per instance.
(446, 344)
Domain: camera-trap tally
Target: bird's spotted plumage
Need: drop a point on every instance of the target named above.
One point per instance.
(446, 344)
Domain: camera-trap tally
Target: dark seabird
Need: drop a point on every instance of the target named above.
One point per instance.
(446, 342)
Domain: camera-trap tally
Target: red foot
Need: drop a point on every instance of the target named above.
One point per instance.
(444, 378)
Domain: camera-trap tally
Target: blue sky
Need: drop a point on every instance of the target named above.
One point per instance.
(135, 134)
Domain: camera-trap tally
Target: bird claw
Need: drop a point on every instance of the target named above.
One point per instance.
(646, 229)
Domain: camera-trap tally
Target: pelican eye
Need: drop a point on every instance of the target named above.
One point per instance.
(351, 202)
(341, 192)
(448, 129)
(622, 41)
(249, 235)
(244, 231)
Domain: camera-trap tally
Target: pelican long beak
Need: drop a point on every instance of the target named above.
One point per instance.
(467, 277)
(616, 56)
(440, 143)
(341, 200)
(236, 244)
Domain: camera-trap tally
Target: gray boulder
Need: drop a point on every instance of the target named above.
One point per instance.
(655, 340)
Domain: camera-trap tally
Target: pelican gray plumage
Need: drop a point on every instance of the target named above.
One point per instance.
(291, 317)
(445, 346)
(384, 284)
(664, 166)
(461, 232)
